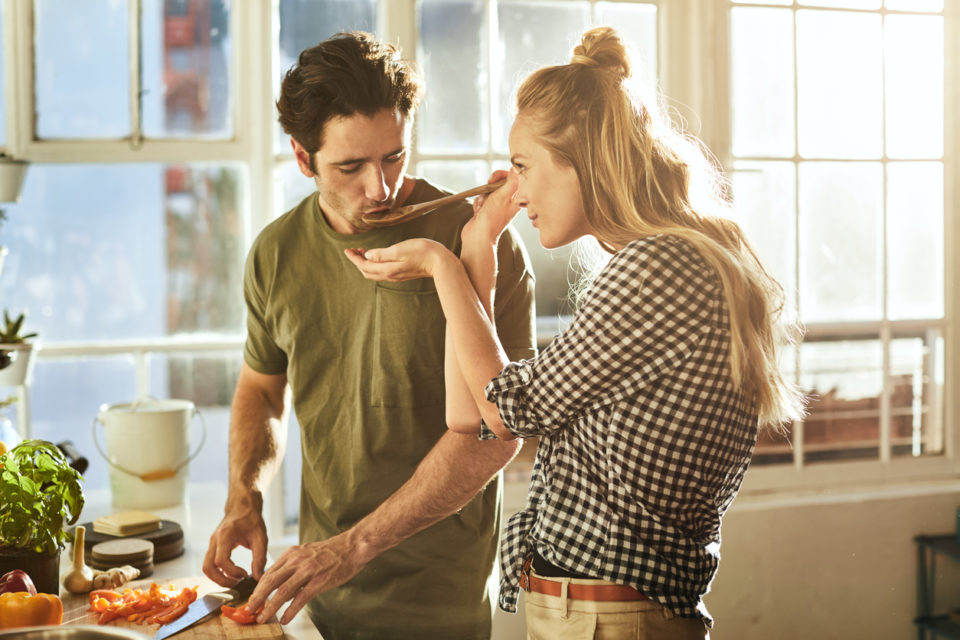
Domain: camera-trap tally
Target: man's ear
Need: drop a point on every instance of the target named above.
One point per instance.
(303, 158)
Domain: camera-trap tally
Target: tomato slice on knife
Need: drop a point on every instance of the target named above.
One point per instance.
(241, 615)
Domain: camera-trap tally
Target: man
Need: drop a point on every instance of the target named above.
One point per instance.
(365, 365)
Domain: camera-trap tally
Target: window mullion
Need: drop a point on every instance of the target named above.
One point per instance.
(136, 132)
(18, 68)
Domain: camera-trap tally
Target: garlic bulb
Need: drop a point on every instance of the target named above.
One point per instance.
(79, 579)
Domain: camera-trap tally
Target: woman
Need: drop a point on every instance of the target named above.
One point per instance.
(648, 405)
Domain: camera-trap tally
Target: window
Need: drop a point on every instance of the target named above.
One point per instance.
(838, 172)
(126, 247)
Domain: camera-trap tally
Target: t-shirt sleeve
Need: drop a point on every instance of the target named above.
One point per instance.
(514, 307)
(643, 316)
(260, 351)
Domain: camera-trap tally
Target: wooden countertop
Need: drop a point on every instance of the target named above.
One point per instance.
(198, 517)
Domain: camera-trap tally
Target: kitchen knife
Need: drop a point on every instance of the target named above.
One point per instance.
(206, 607)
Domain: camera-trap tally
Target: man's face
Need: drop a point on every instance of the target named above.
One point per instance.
(360, 167)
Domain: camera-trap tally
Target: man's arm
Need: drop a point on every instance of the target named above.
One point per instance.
(257, 442)
(450, 475)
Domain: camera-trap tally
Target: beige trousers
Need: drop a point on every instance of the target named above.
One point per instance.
(560, 618)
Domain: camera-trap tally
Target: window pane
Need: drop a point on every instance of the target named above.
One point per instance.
(840, 241)
(292, 187)
(842, 4)
(762, 82)
(105, 252)
(844, 380)
(304, 23)
(531, 35)
(82, 64)
(453, 53)
(638, 24)
(65, 397)
(186, 51)
(915, 5)
(455, 175)
(208, 380)
(915, 237)
(765, 202)
(916, 399)
(840, 83)
(914, 86)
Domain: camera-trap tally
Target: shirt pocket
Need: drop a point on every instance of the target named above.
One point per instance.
(407, 367)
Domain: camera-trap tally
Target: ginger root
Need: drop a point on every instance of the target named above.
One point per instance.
(115, 577)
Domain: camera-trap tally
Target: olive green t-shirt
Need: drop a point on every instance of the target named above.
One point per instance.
(365, 363)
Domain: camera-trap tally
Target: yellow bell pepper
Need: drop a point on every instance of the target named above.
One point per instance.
(20, 609)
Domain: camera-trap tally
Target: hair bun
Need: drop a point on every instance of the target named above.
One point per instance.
(601, 47)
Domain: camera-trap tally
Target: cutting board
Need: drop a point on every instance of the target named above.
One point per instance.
(217, 628)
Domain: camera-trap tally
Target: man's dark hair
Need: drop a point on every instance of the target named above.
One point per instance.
(346, 74)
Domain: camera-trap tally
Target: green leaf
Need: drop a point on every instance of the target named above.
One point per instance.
(39, 495)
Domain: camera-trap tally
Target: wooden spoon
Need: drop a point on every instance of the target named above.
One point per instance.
(409, 212)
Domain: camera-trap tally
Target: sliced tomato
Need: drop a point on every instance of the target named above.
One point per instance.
(241, 615)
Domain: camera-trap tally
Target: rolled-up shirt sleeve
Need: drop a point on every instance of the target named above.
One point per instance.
(508, 391)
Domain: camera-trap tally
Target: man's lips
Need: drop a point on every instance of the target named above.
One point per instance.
(378, 210)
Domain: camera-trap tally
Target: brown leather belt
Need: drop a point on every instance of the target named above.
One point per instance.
(594, 592)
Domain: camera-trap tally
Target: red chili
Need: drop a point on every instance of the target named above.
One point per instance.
(241, 615)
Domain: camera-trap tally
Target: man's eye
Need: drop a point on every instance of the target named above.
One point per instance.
(352, 169)
(395, 158)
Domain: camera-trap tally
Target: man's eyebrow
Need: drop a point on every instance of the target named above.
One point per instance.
(342, 163)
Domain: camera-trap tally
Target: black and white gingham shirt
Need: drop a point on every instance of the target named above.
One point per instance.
(643, 439)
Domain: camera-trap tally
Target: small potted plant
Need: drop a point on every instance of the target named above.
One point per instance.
(40, 496)
(16, 352)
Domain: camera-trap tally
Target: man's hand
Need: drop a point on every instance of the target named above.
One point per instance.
(302, 572)
(241, 528)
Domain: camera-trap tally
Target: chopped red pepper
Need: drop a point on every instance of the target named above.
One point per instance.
(241, 615)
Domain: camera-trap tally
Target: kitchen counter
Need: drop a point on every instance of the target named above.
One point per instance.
(198, 516)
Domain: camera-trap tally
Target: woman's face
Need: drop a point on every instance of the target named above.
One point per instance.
(548, 190)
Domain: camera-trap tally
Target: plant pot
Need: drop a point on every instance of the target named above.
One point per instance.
(20, 370)
(43, 568)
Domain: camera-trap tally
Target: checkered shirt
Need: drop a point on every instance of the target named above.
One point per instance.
(644, 440)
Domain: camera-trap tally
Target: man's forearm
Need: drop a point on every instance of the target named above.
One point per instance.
(257, 443)
(450, 475)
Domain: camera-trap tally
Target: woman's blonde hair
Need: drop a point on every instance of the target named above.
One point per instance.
(641, 177)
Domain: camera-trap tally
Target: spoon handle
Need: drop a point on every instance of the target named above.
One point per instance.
(409, 212)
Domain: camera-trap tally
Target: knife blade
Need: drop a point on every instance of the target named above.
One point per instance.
(206, 607)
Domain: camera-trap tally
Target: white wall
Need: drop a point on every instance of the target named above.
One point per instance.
(843, 570)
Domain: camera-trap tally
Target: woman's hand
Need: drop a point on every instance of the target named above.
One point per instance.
(407, 260)
(492, 212)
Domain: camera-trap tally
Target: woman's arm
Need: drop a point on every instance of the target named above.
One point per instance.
(480, 238)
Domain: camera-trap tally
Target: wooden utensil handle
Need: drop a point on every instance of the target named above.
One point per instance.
(476, 191)
(416, 210)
